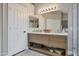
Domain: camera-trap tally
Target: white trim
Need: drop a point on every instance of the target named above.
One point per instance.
(75, 29)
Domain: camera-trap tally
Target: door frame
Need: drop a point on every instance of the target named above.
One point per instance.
(75, 29)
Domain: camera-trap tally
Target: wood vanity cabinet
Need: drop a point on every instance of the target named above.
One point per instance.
(38, 38)
(49, 40)
(56, 41)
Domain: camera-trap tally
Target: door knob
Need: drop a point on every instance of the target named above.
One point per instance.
(24, 31)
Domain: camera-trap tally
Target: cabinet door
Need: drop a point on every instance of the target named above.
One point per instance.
(37, 38)
(57, 41)
(11, 35)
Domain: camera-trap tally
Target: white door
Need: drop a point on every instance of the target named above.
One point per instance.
(11, 36)
(16, 40)
(20, 29)
(25, 28)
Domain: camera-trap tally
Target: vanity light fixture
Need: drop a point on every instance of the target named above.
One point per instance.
(48, 9)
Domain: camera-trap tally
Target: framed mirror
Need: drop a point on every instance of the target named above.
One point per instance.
(33, 22)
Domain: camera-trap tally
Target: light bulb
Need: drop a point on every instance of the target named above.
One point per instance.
(48, 8)
(51, 8)
(54, 7)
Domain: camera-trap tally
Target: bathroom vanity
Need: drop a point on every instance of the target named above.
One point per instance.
(57, 40)
(50, 31)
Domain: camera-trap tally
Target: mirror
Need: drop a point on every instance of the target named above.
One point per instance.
(33, 22)
(56, 21)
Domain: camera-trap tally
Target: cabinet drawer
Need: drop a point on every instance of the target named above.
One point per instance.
(58, 38)
(51, 41)
(57, 44)
(57, 41)
(37, 38)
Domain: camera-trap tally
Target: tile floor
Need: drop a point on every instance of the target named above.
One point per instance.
(30, 53)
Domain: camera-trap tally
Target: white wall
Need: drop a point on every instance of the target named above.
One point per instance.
(0, 28)
(41, 22)
(30, 8)
(5, 29)
(78, 29)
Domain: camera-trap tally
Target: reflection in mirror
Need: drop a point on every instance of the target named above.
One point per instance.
(33, 22)
(56, 21)
(64, 22)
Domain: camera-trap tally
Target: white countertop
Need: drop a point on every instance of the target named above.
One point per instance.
(62, 34)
